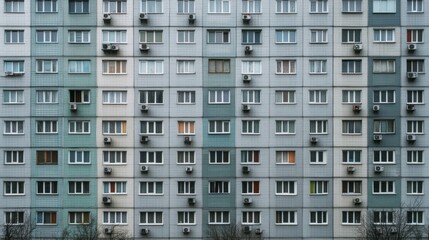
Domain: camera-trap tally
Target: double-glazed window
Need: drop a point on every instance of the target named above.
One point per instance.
(352, 187)
(13, 157)
(46, 66)
(319, 36)
(285, 96)
(318, 217)
(416, 65)
(250, 156)
(383, 66)
(219, 6)
(286, 188)
(318, 157)
(318, 67)
(151, 67)
(151, 188)
(151, 157)
(186, 127)
(317, 96)
(114, 127)
(219, 96)
(351, 35)
(385, 126)
(118, 36)
(352, 66)
(186, 187)
(151, 218)
(115, 6)
(79, 36)
(46, 126)
(251, 6)
(185, 157)
(415, 157)
(415, 187)
(14, 6)
(384, 6)
(46, 6)
(151, 6)
(250, 127)
(415, 218)
(352, 127)
(114, 97)
(285, 157)
(415, 6)
(286, 218)
(415, 127)
(46, 36)
(114, 66)
(285, 6)
(151, 36)
(286, 67)
(383, 187)
(79, 127)
(251, 36)
(14, 36)
(218, 36)
(186, 218)
(250, 217)
(318, 187)
(219, 157)
(46, 218)
(151, 127)
(352, 6)
(13, 127)
(117, 218)
(285, 126)
(352, 156)
(79, 157)
(79, 66)
(351, 217)
(384, 96)
(46, 157)
(219, 66)
(114, 157)
(219, 127)
(14, 66)
(218, 187)
(318, 6)
(79, 217)
(14, 188)
(384, 35)
(186, 36)
(251, 67)
(286, 36)
(186, 6)
(351, 96)
(114, 187)
(219, 217)
(78, 6)
(78, 187)
(415, 36)
(384, 217)
(251, 96)
(14, 218)
(47, 187)
(79, 96)
(318, 126)
(151, 97)
(186, 66)
(250, 187)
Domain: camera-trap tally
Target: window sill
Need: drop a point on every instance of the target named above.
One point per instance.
(285, 134)
(286, 43)
(281, 13)
(345, 12)
(286, 73)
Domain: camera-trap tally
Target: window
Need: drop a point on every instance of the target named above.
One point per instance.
(352, 66)
(416, 66)
(352, 127)
(317, 157)
(319, 36)
(286, 218)
(13, 157)
(151, 157)
(14, 6)
(285, 157)
(250, 127)
(351, 217)
(285, 126)
(285, 6)
(219, 6)
(186, 6)
(352, 96)
(114, 6)
(119, 36)
(14, 66)
(47, 6)
(47, 157)
(217, 187)
(79, 36)
(318, 6)
(351, 156)
(186, 187)
(14, 36)
(250, 187)
(286, 188)
(384, 96)
(318, 67)
(114, 127)
(415, 187)
(318, 217)
(79, 157)
(151, 67)
(151, 218)
(79, 96)
(115, 157)
(251, 96)
(79, 66)
(251, 37)
(185, 36)
(384, 6)
(286, 67)
(286, 36)
(218, 36)
(415, 218)
(46, 66)
(114, 67)
(285, 97)
(383, 217)
(47, 187)
(317, 96)
(318, 187)
(351, 35)
(219, 157)
(415, 127)
(114, 97)
(414, 35)
(251, 6)
(415, 157)
(219, 96)
(46, 218)
(78, 6)
(79, 127)
(219, 127)
(383, 187)
(218, 217)
(250, 156)
(415, 97)
(384, 35)
(114, 187)
(151, 188)
(14, 188)
(251, 67)
(383, 66)
(186, 218)
(352, 187)
(186, 127)
(152, 97)
(250, 217)
(115, 217)
(79, 218)
(46, 36)
(185, 66)
(151, 6)
(415, 6)
(151, 127)
(78, 187)
(46, 127)
(185, 157)
(14, 218)
(384, 126)
(352, 6)
(318, 127)
(219, 66)
(186, 97)
(151, 36)
(13, 127)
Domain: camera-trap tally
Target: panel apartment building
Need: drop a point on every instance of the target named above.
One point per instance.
(292, 119)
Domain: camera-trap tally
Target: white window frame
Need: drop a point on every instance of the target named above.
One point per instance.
(415, 97)
(384, 96)
(185, 66)
(14, 6)
(151, 127)
(285, 127)
(14, 66)
(286, 67)
(75, 218)
(384, 126)
(250, 157)
(415, 36)
(318, 96)
(219, 96)
(415, 157)
(186, 97)
(46, 36)
(320, 187)
(218, 36)
(185, 36)
(151, 218)
(251, 37)
(46, 6)
(219, 157)
(115, 97)
(186, 218)
(318, 66)
(251, 6)
(114, 36)
(14, 218)
(46, 127)
(153, 67)
(151, 188)
(382, 6)
(351, 218)
(415, 127)
(79, 6)
(250, 127)
(79, 66)
(13, 36)
(79, 36)
(151, 36)
(384, 66)
(185, 6)
(319, 126)
(251, 96)
(78, 187)
(415, 218)
(151, 157)
(115, 218)
(384, 35)
(351, 96)
(250, 187)
(285, 96)
(13, 127)
(416, 65)
(81, 96)
(286, 157)
(286, 217)
(223, 7)
(352, 156)
(114, 6)
(351, 36)
(318, 218)
(415, 187)
(318, 157)
(79, 157)
(351, 66)
(319, 36)
(114, 67)
(285, 36)
(350, 187)
(79, 127)
(151, 97)
(114, 157)
(46, 218)
(219, 187)
(251, 217)
(186, 188)
(14, 157)
(115, 187)
(388, 216)
(383, 187)
(185, 157)
(352, 6)
(318, 6)
(251, 67)
(151, 6)
(14, 188)
(219, 127)
(114, 127)
(48, 66)
(286, 188)
(187, 126)
(286, 6)
(352, 127)
(415, 6)
(46, 188)
(218, 217)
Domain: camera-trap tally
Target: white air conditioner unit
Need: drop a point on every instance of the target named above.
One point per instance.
(107, 170)
(191, 18)
(144, 169)
(107, 140)
(412, 75)
(248, 49)
(357, 47)
(357, 108)
(376, 108)
(314, 140)
(247, 229)
(246, 78)
(144, 139)
(411, 138)
(189, 169)
(192, 201)
(186, 230)
(245, 108)
(9, 73)
(378, 169)
(351, 169)
(110, 47)
(187, 139)
(108, 230)
(411, 108)
(378, 137)
(107, 200)
(246, 18)
(245, 169)
(145, 231)
(412, 47)
(357, 201)
(258, 231)
(144, 108)
(144, 47)
(73, 107)
(247, 201)
(107, 17)
(143, 17)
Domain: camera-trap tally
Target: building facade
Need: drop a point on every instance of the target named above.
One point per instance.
(289, 118)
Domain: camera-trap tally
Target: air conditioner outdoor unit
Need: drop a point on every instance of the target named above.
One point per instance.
(378, 169)
(412, 75)
(314, 140)
(73, 107)
(107, 200)
(246, 18)
(357, 201)
(245, 108)
(248, 49)
(192, 201)
(107, 140)
(144, 108)
(186, 230)
(144, 169)
(247, 229)
(144, 139)
(376, 108)
(245, 169)
(258, 231)
(9, 73)
(351, 169)
(357, 47)
(246, 78)
(110, 48)
(357, 108)
(411, 138)
(144, 47)
(107, 17)
(145, 231)
(107, 170)
(187, 140)
(191, 18)
(108, 230)
(411, 107)
(378, 137)
(411, 47)
(189, 169)
(143, 17)
(247, 201)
